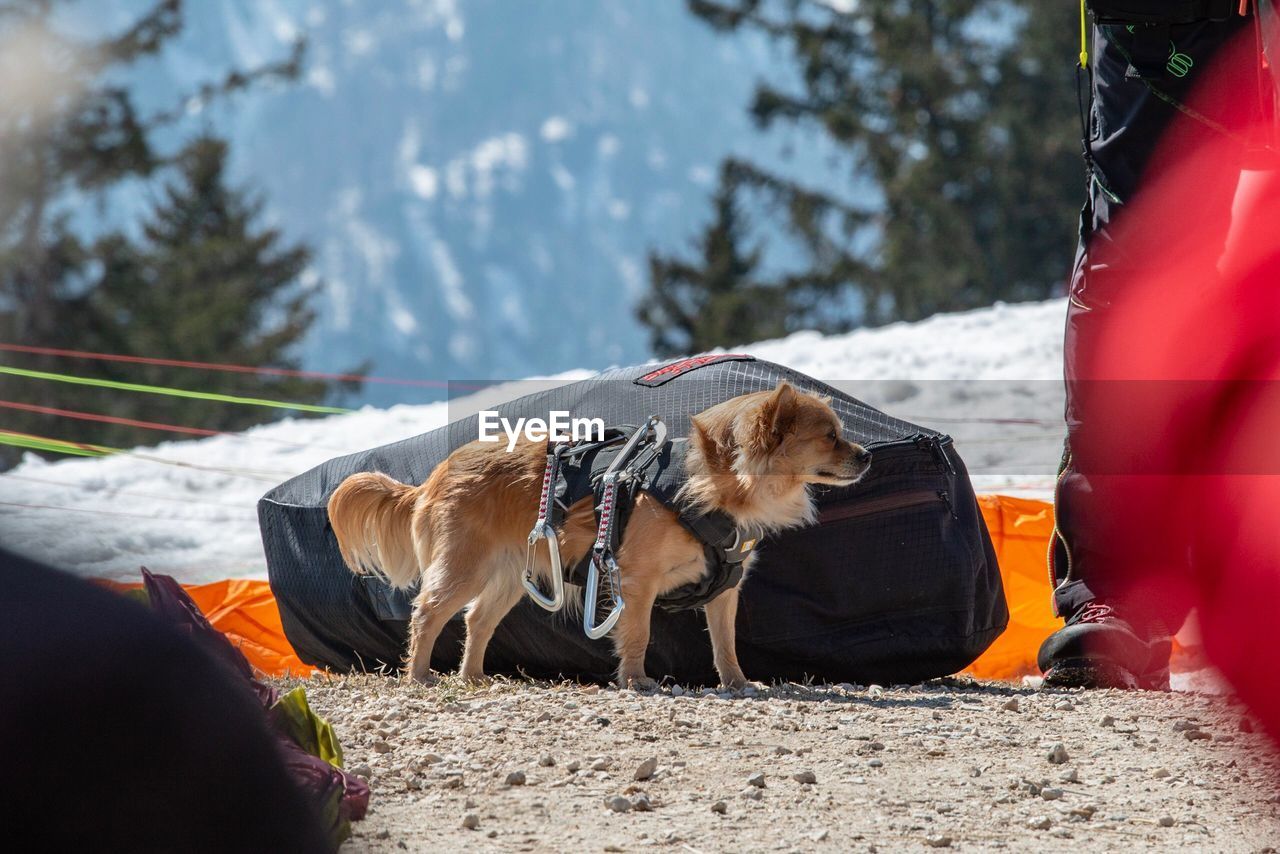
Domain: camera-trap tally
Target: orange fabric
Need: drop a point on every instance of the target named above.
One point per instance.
(1020, 530)
(246, 612)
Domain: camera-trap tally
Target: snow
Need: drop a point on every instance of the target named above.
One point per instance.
(187, 508)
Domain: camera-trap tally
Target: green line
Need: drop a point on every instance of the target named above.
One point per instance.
(52, 446)
(172, 392)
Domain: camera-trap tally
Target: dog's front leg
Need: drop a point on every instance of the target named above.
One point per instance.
(631, 637)
(722, 613)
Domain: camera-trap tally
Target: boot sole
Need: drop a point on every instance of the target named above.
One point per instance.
(1100, 673)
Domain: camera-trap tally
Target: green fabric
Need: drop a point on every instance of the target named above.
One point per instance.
(311, 732)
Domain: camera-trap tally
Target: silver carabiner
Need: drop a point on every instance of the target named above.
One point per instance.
(544, 531)
(589, 627)
(602, 558)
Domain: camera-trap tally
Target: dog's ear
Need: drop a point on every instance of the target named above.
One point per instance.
(702, 437)
(777, 415)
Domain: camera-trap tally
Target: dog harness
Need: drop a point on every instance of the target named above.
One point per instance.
(614, 470)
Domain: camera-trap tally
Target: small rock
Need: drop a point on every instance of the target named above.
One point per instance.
(1183, 726)
(381, 746)
(876, 763)
(601, 764)
(591, 689)
(756, 779)
(516, 778)
(361, 770)
(1051, 794)
(677, 691)
(1196, 735)
(471, 821)
(1165, 821)
(1039, 823)
(493, 834)
(1063, 705)
(751, 793)
(641, 803)
(618, 803)
(720, 807)
(546, 760)
(573, 766)
(938, 841)
(542, 718)
(1161, 773)
(1010, 705)
(819, 835)
(875, 692)
(805, 777)
(646, 769)
(382, 834)
(1086, 812)
(779, 750)
(1107, 720)
(1058, 756)
(1070, 776)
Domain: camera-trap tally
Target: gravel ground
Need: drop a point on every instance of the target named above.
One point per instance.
(535, 766)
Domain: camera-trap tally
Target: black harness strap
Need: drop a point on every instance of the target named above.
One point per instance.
(725, 546)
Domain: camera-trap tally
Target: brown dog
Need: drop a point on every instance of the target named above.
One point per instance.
(463, 533)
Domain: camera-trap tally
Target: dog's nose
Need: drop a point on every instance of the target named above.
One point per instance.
(863, 456)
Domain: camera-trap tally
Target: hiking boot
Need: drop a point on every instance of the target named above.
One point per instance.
(1098, 649)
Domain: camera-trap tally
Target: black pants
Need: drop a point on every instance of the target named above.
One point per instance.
(1130, 115)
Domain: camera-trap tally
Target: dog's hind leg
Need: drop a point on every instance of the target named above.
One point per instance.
(450, 582)
(499, 596)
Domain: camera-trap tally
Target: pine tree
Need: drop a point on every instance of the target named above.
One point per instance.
(203, 284)
(719, 297)
(962, 113)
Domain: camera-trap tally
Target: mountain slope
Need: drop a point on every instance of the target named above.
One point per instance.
(482, 180)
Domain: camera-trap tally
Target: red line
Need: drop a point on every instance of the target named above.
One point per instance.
(108, 419)
(251, 474)
(219, 366)
(154, 425)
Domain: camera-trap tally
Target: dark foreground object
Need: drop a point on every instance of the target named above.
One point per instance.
(119, 734)
(897, 583)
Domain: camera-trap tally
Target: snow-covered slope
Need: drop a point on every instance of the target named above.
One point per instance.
(187, 508)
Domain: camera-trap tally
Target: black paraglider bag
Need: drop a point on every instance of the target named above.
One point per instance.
(897, 582)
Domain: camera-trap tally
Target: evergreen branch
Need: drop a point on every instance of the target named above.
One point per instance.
(235, 81)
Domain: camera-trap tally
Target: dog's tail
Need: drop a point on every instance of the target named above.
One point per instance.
(372, 517)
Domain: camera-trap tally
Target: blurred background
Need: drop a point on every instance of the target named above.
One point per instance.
(430, 190)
